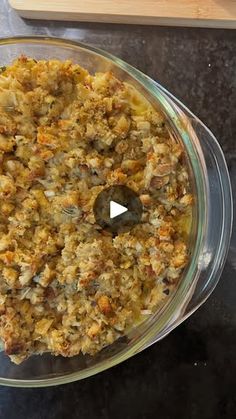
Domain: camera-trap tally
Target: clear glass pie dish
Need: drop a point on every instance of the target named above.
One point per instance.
(210, 231)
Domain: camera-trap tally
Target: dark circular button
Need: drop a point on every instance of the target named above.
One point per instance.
(117, 209)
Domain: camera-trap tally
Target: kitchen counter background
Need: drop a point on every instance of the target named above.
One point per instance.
(191, 374)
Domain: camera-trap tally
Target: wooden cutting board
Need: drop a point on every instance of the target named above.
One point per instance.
(202, 13)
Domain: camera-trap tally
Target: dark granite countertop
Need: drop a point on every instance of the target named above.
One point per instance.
(191, 374)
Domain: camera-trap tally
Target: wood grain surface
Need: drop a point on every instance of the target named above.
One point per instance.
(202, 13)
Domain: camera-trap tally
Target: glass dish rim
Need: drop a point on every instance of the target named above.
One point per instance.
(157, 92)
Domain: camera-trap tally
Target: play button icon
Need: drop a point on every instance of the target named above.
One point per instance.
(117, 209)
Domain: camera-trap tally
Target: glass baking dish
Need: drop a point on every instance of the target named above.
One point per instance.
(211, 227)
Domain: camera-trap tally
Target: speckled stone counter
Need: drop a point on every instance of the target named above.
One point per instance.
(191, 374)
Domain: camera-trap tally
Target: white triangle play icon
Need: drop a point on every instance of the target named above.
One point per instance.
(116, 209)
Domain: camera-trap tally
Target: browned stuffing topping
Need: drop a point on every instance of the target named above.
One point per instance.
(67, 286)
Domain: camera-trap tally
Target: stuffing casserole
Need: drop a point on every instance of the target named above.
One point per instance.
(67, 285)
